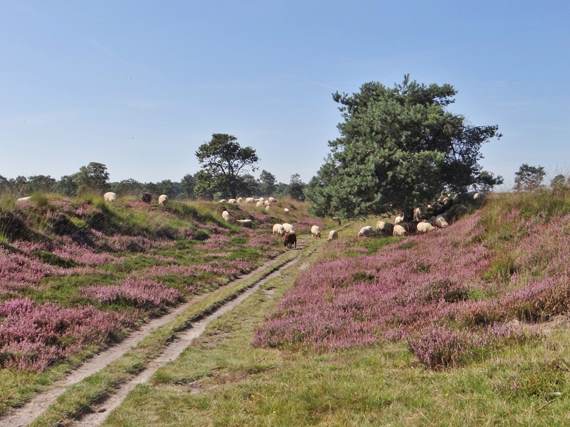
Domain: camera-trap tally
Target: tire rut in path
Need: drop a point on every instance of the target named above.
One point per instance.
(39, 403)
(171, 353)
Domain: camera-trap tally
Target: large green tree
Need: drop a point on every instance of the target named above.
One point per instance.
(529, 178)
(399, 147)
(93, 177)
(267, 183)
(225, 160)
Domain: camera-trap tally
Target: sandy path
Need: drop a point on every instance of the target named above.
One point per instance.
(35, 407)
(171, 353)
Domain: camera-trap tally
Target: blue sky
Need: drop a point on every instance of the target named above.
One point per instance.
(138, 85)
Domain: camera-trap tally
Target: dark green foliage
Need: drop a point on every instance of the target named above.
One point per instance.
(93, 177)
(297, 187)
(267, 183)
(398, 148)
(529, 178)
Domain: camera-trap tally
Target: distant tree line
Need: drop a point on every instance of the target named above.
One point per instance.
(530, 178)
(226, 171)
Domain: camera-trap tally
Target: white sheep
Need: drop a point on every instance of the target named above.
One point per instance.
(333, 235)
(424, 227)
(267, 203)
(272, 199)
(240, 199)
(226, 215)
(316, 231)
(267, 208)
(476, 196)
(440, 222)
(288, 228)
(110, 197)
(399, 230)
(249, 200)
(222, 201)
(259, 204)
(286, 210)
(384, 227)
(278, 229)
(232, 201)
(22, 200)
(399, 219)
(261, 199)
(366, 231)
(380, 225)
(162, 199)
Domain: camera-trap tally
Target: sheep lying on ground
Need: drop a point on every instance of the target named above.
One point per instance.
(316, 231)
(278, 229)
(245, 222)
(366, 231)
(226, 215)
(290, 240)
(333, 235)
(162, 199)
(288, 228)
(285, 210)
(440, 222)
(110, 197)
(424, 227)
(399, 230)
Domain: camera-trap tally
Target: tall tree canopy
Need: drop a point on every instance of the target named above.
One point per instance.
(93, 177)
(225, 160)
(529, 178)
(267, 183)
(399, 147)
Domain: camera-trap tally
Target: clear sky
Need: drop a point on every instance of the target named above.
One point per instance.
(138, 85)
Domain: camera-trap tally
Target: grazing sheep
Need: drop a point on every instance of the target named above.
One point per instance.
(249, 200)
(366, 231)
(333, 235)
(278, 229)
(476, 196)
(261, 199)
(286, 210)
(440, 222)
(384, 227)
(240, 199)
(288, 228)
(23, 200)
(272, 199)
(222, 201)
(417, 214)
(399, 230)
(232, 201)
(110, 197)
(424, 227)
(316, 231)
(290, 240)
(259, 204)
(146, 197)
(267, 208)
(162, 199)
(226, 215)
(267, 203)
(399, 219)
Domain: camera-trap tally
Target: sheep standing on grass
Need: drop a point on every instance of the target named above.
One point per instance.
(399, 219)
(259, 204)
(249, 200)
(424, 227)
(399, 230)
(240, 199)
(384, 227)
(333, 235)
(290, 240)
(288, 228)
(226, 216)
(110, 197)
(272, 199)
(278, 229)
(162, 199)
(316, 231)
(366, 231)
(232, 201)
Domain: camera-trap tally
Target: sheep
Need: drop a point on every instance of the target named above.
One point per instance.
(399, 230)
(316, 231)
(146, 197)
(399, 219)
(259, 204)
(267, 203)
(290, 240)
(162, 199)
(249, 199)
(288, 228)
(222, 201)
(261, 199)
(417, 214)
(226, 215)
(22, 200)
(286, 210)
(278, 229)
(333, 235)
(424, 227)
(110, 197)
(267, 208)
(245, 222)
(272, 199)
(232, 201)
(476, 196)
(240, 199)
(440, 222)
(366, 231)
(384, 227)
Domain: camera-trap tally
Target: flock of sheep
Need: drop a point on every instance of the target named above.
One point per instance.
(260, 202)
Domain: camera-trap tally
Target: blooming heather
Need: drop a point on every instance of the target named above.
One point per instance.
(140, 292)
